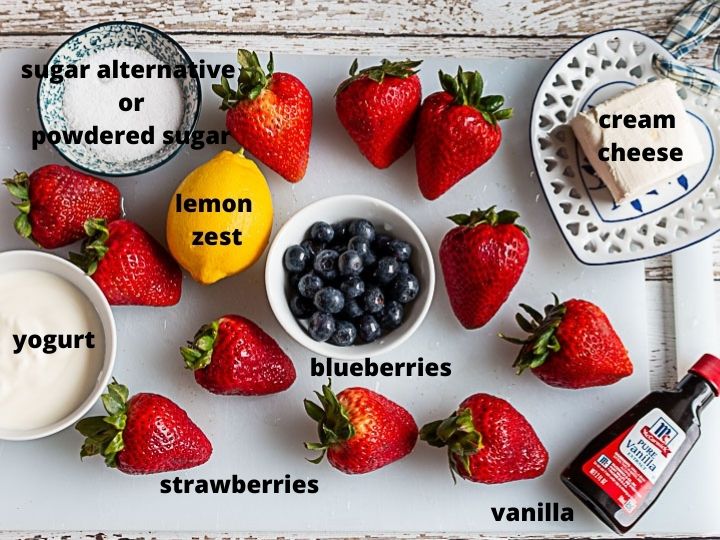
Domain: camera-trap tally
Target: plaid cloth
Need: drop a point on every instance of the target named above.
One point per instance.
(690, 28)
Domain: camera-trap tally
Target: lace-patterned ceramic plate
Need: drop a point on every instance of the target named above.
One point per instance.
(677, 214)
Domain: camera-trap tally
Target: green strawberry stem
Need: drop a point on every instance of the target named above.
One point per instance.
(93, 248)
(489, 217)
(198, 353)
(334, 424)
(402, 70)
(252, 80)
(458, 433)
(542, 339)
(19, 187)
(467, 88)
(103, 434)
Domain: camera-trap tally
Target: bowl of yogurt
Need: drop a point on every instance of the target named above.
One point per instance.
(118, 99)
(57, 344)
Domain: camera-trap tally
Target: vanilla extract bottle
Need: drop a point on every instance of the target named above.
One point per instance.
(622, 471)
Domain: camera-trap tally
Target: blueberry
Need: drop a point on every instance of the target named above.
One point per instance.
(345, 334)
(392, 316)
(326, 264)
(374, 300)
(321, 326)
(350, 263)
(362, 246)
(362, 227)
(322, 232)
(301, 307)
(368, 329)
(403, 268)
(329, 300)
(352, 287)
(312, 247)
(405, 288)
(352, 309)
(382, 242)
(294, 280)
(387, 270)
(309, 284)
(341, 231)
(295, 259)
(400, 249)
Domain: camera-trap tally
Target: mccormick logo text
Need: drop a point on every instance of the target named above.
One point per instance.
(660, 434)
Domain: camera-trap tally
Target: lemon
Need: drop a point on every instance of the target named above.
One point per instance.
(220, 217)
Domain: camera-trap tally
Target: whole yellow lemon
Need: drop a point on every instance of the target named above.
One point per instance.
(220, 217)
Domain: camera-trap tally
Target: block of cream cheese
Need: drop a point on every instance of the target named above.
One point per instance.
(627, 179)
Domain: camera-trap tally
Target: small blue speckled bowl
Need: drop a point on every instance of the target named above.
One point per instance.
(97, 38)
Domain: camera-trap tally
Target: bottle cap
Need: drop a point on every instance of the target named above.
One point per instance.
(708, 367)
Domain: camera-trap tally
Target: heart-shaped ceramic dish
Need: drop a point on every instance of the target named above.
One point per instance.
(675, 215)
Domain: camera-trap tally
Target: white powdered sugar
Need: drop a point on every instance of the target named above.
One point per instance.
(92, 101)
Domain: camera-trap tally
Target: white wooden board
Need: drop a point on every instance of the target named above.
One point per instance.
(45, 486)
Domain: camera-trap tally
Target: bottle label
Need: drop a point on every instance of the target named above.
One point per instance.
(628, 467)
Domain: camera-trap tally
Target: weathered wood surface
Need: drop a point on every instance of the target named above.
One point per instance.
(398, 46)
(524, 18)
(89, 535)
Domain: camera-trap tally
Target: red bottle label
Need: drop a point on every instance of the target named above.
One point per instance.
(628, 467)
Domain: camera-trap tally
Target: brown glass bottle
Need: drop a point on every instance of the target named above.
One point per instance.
(622, 471)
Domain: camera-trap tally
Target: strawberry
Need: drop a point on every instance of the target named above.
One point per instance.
(270, 115)
(488, 441)
(572, 346)
(234, 356)
(457, 132)
(482, 260)
(378, 106)
(146, 434)
(55, 201)
(360, 430)
(129, 265)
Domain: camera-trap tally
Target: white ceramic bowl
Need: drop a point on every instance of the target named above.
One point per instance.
(387, 219)
(37, 260)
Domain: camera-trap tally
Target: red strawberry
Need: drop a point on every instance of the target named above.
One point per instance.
(572, 346)
(457, 132)
(56, 201)
(270, 115)
(144, 435)
(378, 106)
(234, 356)
(360, 430)
(129, 265)
(488, 441)
(482, 260)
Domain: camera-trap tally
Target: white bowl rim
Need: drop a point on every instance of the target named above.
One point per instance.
(47, 262)
(278, 302)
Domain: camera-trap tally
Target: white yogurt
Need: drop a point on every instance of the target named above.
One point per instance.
(39, 388)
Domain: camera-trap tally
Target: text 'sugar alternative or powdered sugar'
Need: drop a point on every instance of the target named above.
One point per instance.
(97, 101)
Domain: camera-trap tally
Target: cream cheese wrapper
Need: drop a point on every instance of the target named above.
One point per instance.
(627, 180)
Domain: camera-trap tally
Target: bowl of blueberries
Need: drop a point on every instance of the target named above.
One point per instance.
(350, 277)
